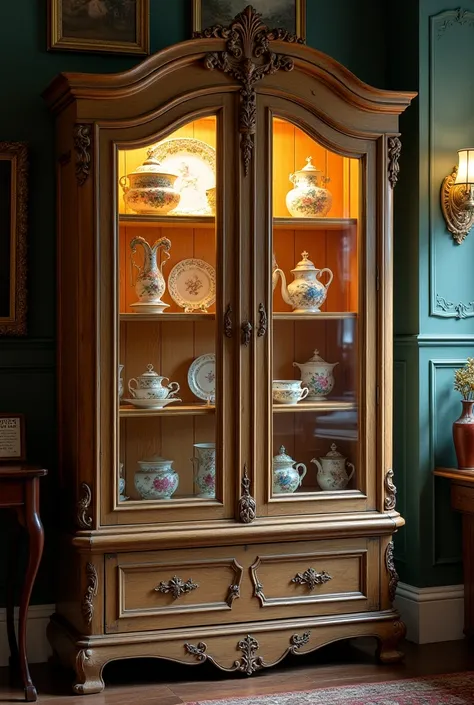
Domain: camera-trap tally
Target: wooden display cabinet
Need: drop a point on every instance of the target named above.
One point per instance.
(247, 573)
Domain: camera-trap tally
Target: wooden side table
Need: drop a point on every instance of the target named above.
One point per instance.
(462, 499)
(19, 491)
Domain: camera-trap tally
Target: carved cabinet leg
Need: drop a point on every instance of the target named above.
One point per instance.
(387, 651)
(88, 669)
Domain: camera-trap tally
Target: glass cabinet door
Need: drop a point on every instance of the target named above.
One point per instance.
(317, 348)
(171, 415)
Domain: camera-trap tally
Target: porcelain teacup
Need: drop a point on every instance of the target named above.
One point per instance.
(288, 391)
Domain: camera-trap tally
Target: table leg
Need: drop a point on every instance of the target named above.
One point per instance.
(35, 531)
(12, 572)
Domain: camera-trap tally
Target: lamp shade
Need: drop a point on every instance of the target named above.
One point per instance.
(465, 173)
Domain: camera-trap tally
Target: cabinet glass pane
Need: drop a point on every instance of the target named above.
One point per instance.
(166, 224)
(315, 279)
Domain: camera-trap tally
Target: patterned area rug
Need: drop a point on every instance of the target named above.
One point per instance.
(452, 689)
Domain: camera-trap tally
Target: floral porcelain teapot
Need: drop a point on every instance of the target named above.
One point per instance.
(150, 385)
(149, 189)
(317, 375)
(306, 293)
(308, 198)
(286, 473)
(332, 473)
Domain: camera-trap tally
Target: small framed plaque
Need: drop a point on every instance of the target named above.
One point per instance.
(12, 438)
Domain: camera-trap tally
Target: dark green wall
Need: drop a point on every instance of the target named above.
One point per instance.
(352, 32)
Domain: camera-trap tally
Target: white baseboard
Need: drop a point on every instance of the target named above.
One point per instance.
(431, 614)
(37, 643)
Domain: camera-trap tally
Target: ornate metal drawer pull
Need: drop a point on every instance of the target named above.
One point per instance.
(311, 578)
(228, 324)
(176, 586)
(263, 322)
(246, 330)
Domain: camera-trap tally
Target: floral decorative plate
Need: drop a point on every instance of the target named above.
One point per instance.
(195, 163)
(202, 377)
(192, 284)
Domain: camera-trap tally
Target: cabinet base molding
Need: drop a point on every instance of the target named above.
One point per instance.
(431, 614)
(244, 648)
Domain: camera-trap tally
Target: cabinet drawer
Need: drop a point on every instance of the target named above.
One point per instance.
(317, 577)
(164, 589)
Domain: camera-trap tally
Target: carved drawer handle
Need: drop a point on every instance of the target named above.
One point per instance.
(311, 578)
(176, 586)
(263, 322)
(246, 333)
(228, 324)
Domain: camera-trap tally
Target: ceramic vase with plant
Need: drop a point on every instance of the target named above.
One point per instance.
(463, 428)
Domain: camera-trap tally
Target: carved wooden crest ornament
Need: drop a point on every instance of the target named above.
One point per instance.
(248, 58)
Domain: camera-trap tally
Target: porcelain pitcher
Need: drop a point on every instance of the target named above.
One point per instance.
(306, 293)
(150, 284)
(286, 473)
(332, 473)
(205, 469)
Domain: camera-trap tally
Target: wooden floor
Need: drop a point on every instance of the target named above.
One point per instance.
(153, 682)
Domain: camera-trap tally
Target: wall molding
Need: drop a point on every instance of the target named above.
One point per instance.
(38, 647)
(431, 614)
(401, 539)
(433, 341)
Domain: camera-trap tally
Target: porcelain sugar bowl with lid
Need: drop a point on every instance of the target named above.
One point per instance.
(306, 293)
(156, 478)
(309, 198)
(317, 375)
(149, 189)
(332, 474)
(287, 473)
(150, 385)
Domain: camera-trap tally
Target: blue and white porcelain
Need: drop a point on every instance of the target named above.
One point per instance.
(306, 293)
(287, 473)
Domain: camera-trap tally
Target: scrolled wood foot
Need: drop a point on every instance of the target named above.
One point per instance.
(387, 651)
(88, 673)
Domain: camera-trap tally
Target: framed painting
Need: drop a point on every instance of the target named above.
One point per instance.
(120, 26)
(13, 223)
(288, 14)
(12, 438)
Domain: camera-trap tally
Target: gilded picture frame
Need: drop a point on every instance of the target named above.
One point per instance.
(289, 14)
(119, 26)
(13, 247)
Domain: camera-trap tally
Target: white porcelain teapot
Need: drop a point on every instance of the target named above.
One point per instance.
(332, 473)
(306, 293)
(286, 473)
(150, 385)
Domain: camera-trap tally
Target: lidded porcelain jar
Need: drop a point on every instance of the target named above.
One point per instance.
(286, 473)
(309, 198)
(156, 478)
(150, 190)
(149, 385)
(332, 473)
(317, 375)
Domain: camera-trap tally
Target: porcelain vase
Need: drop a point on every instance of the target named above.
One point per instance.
(205, 469)
(463, 436)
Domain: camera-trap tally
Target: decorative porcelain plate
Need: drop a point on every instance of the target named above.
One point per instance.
(150, 403)
(195, 163)
(192, 284)
(202, 377)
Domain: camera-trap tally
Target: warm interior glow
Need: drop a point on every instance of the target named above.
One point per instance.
(465, 173)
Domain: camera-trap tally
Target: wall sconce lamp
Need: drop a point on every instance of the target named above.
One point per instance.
(457, 196)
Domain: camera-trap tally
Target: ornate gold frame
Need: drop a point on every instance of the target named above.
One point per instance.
(56, 40)
(300, 24)
(456, 204)
(16, 153)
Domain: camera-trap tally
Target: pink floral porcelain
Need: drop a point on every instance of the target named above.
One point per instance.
(156, 478)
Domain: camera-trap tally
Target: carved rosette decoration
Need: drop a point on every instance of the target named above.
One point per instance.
(298, 641)
(394, 150)
(91, 592)
(84, 519)
(248, 58)
(233, 594)
(176, 586)
(390, 492)
(82, 145)
(250, 662)
(247, 504)
(459, 220)
(311, 578)
(392, 571)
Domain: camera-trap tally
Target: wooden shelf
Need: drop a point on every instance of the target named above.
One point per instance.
(323, 315)
(127, 411)
(314, 223)
(305, 406)
(162, 317)
(168, 221)
(455, 474)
